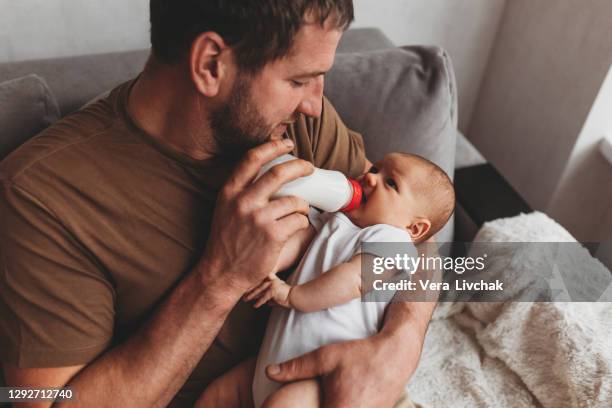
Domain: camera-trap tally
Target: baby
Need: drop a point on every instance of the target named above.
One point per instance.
(406, 199)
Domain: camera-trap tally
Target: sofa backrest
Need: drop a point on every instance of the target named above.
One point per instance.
(76, 80)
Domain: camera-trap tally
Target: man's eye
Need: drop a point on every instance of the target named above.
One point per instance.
(391, 183)
(373, 170)
(298, 84)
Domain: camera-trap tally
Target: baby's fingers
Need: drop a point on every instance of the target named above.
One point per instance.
(257, 291)
(265, 297)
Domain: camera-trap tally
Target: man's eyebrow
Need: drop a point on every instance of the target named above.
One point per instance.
(309, 74)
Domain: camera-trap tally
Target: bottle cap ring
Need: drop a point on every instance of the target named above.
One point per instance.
(356, 199)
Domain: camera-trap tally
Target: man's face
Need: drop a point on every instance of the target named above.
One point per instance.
(261, 106)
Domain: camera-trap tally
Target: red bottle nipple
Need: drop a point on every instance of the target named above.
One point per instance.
(356, 199)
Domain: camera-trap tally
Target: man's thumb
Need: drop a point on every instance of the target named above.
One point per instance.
(299, 368)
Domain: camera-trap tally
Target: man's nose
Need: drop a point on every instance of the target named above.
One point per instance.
(312, 104)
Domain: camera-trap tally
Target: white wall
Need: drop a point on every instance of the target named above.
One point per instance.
(547, 66)
(466, 28)
(583, 199)
(31, 29)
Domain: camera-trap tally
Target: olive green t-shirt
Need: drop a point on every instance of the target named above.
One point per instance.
(98, 222)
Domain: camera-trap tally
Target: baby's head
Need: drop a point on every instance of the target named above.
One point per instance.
(406, 191)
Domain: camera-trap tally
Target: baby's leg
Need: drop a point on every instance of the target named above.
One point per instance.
(299, 394)
(307, 394)
(232, 389)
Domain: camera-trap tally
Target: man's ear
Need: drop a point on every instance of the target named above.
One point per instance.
(206, 66)
(419, 229)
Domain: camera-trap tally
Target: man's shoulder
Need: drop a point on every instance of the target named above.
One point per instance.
(326, 142)
(58, 147)
(309, 127)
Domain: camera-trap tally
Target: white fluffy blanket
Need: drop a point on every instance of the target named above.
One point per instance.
(518, 354)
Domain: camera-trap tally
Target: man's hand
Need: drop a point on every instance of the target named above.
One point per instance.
(273, 289)
(361, 373)
(249, 229)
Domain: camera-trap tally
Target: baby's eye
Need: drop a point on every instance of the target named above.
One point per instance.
(391, 183)
(373, 170)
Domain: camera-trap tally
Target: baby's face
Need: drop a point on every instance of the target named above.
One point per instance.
(390, 193)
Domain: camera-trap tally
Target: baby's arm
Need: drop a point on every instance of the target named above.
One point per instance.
(335, 287)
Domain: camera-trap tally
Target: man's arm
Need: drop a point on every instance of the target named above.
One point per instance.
(247, 235)
(148, 368)
(404, 329)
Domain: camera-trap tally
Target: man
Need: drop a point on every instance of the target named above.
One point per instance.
(130, 230)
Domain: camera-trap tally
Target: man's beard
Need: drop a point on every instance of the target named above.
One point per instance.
(238, 126)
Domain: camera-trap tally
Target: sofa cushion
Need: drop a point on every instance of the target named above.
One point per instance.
(27, 106)
(363, 39)
(400, 99)
(75, 80)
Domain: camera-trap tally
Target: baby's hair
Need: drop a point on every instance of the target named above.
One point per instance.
(440, 194)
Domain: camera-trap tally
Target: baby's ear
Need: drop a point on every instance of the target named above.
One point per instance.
(419, 229)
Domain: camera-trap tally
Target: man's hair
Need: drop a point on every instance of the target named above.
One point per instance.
(439, 193)
(259, 31)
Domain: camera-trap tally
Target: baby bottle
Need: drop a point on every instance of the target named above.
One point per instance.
(327, 190)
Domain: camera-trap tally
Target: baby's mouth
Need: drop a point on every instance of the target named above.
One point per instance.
(363, 192)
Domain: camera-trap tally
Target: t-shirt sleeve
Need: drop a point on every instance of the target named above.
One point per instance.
(385, 241)
(328, 143)
(56, 306)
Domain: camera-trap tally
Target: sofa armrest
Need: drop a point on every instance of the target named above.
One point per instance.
(484, 195)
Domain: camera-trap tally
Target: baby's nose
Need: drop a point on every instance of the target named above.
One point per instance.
(370, 179)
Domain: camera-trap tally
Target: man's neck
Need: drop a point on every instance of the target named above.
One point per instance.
(164, 104)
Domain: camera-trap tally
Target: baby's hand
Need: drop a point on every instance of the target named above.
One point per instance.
(273, 290)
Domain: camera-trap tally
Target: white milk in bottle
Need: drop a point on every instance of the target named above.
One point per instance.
(327, 190)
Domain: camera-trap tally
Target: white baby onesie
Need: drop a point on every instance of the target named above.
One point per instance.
(291, 333)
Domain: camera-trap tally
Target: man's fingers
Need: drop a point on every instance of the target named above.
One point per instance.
(309, 365)
(283, 206)
(273, 180)
(248, 167)
(291, 224)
